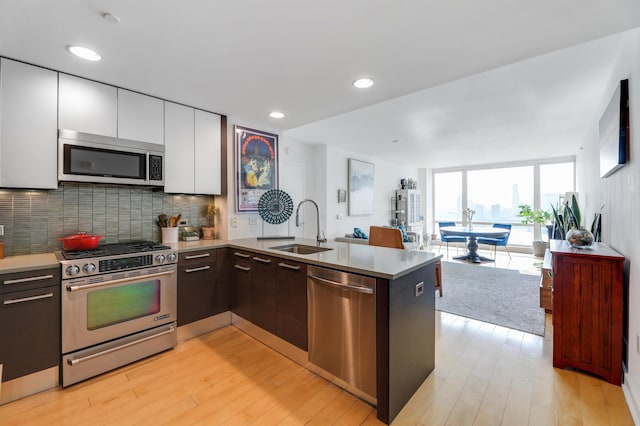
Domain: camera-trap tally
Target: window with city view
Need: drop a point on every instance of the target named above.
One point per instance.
(495, 194)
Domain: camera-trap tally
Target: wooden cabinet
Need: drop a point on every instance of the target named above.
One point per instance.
(240, 292)
(28, 126)
(588, 309)
(29, 322)
(271, 293)
(291, 302)
(140, 117)
(192, 150)
(263, 292)
(87, 106)
(197, 286)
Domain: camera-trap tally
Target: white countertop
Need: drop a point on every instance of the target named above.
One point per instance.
(374, 261)
(28, 262)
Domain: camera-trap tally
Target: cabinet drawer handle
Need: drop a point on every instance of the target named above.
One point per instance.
(197, 256)
(28, 299)
(261, 259)
(292, 267)
(242, 268)
(76, 361)
(246, 256)
(201, 268)
(28, 279)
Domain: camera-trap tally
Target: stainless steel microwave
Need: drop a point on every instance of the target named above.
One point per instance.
(84, 157)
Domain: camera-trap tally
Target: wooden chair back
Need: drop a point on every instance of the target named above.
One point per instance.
(385, 237)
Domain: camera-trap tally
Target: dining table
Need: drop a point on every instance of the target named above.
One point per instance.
(472, 233)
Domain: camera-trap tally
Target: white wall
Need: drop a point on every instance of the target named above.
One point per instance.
(315, 172)
(294, 178)
(620, 194)
(387, 180)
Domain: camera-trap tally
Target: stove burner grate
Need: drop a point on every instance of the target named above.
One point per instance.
(127, 247)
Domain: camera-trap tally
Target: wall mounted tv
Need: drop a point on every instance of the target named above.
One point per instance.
(614, 131)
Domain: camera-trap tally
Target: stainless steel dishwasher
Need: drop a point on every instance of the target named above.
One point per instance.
(342, 326)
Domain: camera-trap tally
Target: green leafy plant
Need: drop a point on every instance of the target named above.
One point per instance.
(530, 216)
(567, 216)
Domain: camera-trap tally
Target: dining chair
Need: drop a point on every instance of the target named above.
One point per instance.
(385, 237)
(449, 238)
(439, 276)
(497, 242)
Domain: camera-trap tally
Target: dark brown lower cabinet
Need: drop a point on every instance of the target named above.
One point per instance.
(263, 292)
(29, 322)
(197, 286)
(588, 309)
(240, 283)
(291, 302)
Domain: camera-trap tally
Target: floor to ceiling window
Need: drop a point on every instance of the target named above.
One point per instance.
(496, 192)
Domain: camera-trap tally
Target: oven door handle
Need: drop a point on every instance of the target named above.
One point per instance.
(75, 361)
(72, 288)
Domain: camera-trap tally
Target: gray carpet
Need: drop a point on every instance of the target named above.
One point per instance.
(499, 296)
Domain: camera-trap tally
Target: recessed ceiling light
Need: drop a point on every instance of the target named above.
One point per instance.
(84, 53)
(276, 114)
(363, 83)
(110, 18)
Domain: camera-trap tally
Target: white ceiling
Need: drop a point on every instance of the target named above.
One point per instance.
(431, 61)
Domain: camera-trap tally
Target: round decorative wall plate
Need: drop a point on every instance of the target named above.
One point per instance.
(275, 206)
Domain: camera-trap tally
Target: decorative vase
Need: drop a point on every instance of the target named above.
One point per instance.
(579, 238)
(208, 233)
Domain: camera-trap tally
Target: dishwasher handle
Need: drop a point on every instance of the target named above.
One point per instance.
(359, 289)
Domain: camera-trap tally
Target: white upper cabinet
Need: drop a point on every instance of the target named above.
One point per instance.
(178, 148)
(140, 117)
(192, 150)
(207, 167)
(28, 126)
(87, 106)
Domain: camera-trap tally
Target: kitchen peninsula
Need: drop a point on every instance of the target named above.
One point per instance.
(404, 307)
(403, 320)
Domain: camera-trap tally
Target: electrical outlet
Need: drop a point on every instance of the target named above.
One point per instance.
(183, 222)
(234, 221)
(1, 229)
(253, 221)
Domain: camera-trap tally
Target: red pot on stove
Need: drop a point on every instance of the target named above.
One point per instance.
(80, 241)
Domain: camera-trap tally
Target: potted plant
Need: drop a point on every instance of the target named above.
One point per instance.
(529, 216)
(569, 225)
(209, 232)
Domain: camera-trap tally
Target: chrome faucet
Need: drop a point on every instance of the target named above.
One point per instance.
(318, 238)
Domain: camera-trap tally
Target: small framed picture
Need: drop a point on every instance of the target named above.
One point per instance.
(342, 196)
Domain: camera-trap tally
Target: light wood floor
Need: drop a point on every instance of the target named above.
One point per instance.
(485, 375)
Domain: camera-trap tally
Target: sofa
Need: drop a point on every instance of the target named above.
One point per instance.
(412, 244)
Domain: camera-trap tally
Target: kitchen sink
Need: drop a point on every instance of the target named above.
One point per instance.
(300, 248)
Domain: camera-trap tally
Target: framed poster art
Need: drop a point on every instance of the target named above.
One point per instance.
(256, 167)
(361, 176)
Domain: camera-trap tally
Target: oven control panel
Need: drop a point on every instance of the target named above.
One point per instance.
(103, 265)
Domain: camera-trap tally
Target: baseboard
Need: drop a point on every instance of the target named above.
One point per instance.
(28, 385)
(631, 396)
(197, 328)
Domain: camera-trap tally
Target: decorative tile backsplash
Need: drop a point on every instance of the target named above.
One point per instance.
(34, 220)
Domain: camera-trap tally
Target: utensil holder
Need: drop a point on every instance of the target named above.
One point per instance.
(169, 235)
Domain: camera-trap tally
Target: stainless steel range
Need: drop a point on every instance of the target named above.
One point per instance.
(119, 304)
